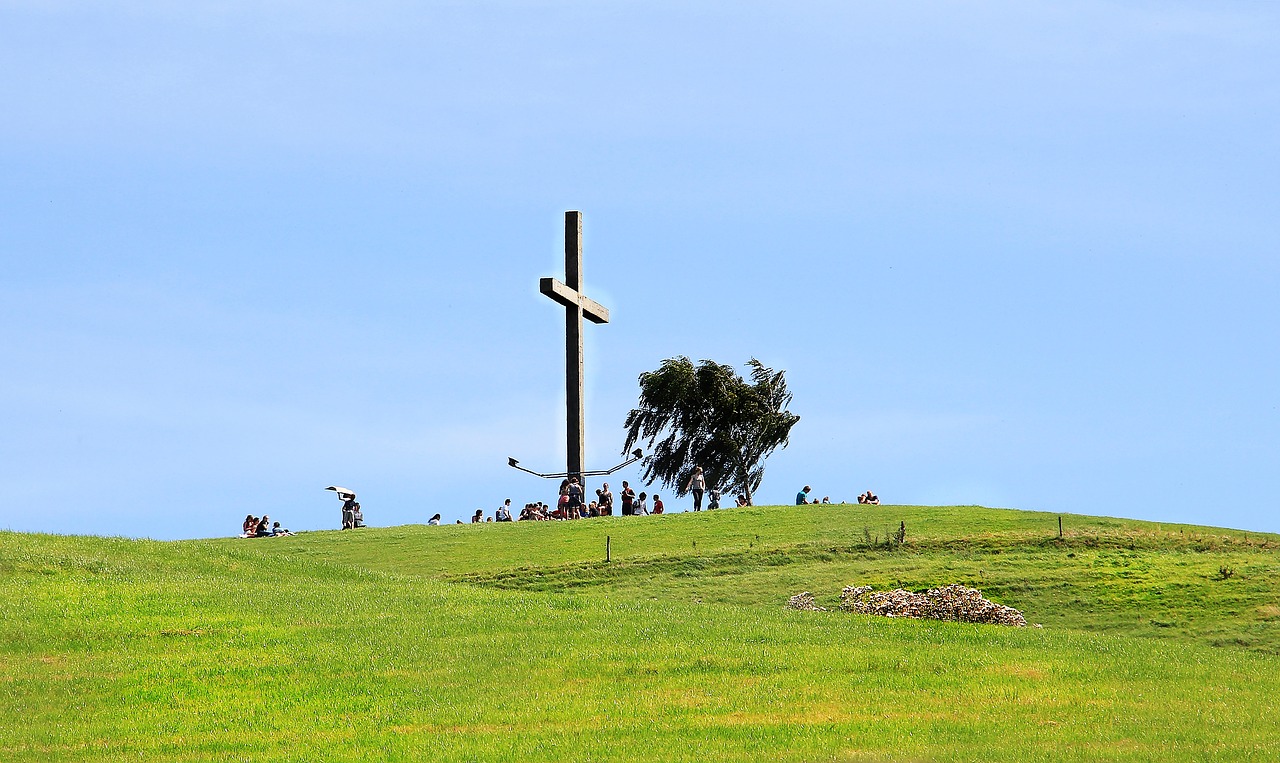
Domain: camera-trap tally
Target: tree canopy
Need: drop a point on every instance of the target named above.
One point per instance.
(709, 416)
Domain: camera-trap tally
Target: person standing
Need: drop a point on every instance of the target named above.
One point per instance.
(802, 497)
(606, 501)
(697, 484)
(628, 497)
(575, 498)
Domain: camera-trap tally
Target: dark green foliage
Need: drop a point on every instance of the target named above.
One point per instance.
(709, 416)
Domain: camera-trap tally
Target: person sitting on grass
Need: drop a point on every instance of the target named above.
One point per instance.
(503, 514)
(277, 530)
(250, 526)
(434, 521)
(803, 496)
(658, 508)
(742, 500)
(713, 499)
(263, 529)
(478, 517)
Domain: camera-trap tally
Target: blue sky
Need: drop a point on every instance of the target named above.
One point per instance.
(1012, 254)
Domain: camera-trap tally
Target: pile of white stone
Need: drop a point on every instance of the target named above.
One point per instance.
(954, 602)
(804, 601)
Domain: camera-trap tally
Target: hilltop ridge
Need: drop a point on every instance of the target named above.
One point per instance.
(1103, 575)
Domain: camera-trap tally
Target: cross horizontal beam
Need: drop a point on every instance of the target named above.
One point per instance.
(562, 293)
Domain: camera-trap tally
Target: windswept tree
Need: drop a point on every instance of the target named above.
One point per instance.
(709, 416)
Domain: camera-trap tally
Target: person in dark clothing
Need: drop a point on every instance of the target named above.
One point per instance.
(575, 498)
(628, 497)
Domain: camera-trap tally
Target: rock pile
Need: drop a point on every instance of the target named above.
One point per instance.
(804, 601)
(953, 602)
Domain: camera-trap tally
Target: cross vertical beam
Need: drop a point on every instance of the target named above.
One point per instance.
(575, 412)
(577, 306)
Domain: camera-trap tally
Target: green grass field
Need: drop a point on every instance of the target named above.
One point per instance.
(519, 642)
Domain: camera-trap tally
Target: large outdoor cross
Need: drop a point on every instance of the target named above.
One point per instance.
(576, 307)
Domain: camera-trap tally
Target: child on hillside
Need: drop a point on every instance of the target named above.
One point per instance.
(657, 504)
(641, 506)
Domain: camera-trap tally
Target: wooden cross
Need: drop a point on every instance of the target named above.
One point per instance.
(576, 307)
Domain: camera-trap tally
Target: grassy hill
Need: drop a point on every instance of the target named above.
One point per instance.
(518, 641)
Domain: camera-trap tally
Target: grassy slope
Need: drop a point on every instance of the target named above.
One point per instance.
(1118, 576)
(463, 643)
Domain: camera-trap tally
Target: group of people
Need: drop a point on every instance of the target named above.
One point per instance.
(254, 527)
(571, 503)
(802, 498)
(352, 516)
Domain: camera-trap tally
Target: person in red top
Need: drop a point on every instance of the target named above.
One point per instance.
(657, 504)
(628, 497)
